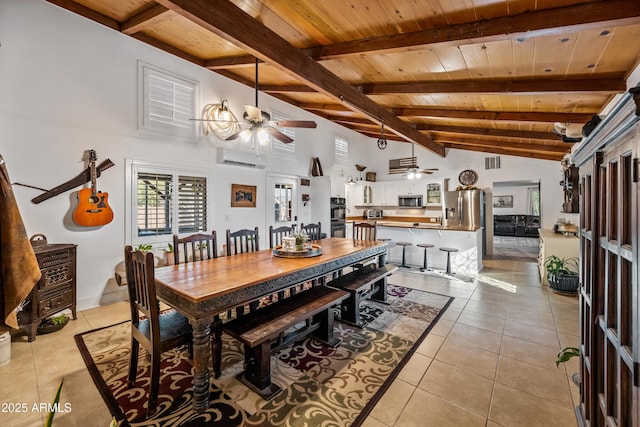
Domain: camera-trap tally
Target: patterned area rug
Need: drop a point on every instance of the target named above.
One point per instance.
(321, 385)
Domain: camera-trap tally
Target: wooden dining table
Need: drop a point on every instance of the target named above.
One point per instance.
(203, 290)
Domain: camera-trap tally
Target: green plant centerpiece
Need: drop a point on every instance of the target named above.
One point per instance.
(143, 247)
(301, 237)
(562, 274)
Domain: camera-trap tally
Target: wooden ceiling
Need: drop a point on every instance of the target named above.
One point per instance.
(480, 75)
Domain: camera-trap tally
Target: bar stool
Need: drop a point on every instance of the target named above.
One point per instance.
(424, 262)
(448, 251)
(404, 247)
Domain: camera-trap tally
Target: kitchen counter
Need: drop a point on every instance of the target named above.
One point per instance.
(467, 260)
(411, 222)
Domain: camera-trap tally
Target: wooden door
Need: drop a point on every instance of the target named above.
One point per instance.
(609, 299)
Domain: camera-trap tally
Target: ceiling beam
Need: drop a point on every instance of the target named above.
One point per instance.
(234, 25)
(144, 19)
(531, 86)
(167, 48)
(516, 116)
(506, 144)
(87, 13)
(507, 133)
(568, 19)
(502, 133)
(505, 151)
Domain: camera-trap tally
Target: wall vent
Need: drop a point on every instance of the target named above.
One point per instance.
(492, 162)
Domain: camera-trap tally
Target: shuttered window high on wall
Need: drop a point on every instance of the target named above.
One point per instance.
(341, 151)
(168, 102)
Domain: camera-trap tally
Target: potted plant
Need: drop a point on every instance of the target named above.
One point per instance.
(53, 324)
(562, 274)
(143, 247)
(564, 356)
(168, 254)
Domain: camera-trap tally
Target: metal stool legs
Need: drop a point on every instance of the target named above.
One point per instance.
(424, 261)
(404, 247)
(448, 251)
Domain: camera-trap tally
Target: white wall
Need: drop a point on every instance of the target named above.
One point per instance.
(68, 84)
(520, 199)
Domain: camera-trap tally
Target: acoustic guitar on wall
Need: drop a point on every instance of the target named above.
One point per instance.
(93, 206)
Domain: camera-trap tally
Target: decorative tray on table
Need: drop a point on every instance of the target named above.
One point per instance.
(310, 250)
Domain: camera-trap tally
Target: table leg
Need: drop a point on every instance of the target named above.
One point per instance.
(201, 352)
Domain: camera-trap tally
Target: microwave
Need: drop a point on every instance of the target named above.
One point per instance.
(410, 201)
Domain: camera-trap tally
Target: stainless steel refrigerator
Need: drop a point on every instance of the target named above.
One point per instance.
(463, 208)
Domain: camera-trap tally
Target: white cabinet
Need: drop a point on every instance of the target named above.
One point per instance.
(338, 187)
(354, 196)
(390, 193)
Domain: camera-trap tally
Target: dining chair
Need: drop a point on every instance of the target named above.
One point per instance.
(200, 246)
(364, 231)
(243, 241)
(314, 231)
(276, 235)
(156, 332)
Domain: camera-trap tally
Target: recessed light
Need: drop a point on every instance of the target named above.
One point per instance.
(564, 39)
(591, 66)
(548, 70)
(605, 32)
(521, 39)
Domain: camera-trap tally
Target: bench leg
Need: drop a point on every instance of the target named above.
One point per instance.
(324, 333)
(350, 309)
(257, 373)
(381, 294)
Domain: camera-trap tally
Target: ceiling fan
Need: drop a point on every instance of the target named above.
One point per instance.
(260, 122)
(409, 166)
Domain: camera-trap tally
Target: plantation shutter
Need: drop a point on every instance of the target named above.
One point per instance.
(155, 204)
(192, 204)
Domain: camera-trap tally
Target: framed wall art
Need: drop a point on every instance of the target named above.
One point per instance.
(502, 201)
(243, 196)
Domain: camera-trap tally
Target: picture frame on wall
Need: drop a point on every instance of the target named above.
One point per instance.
(243, 196)
(502, 201)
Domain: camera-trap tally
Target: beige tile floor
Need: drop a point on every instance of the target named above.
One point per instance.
(488, 362)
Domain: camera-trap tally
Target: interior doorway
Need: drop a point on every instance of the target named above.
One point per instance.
(516, 220)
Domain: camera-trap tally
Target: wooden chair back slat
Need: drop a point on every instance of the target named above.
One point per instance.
(204, 245)
(242, 241)
(364, 231)
(314, 231)
(276, 235)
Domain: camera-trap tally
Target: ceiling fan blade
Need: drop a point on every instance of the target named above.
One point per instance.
(296, 124)
(254, 114)
(278, 135)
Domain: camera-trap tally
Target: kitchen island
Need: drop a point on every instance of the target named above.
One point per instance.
(467, 260)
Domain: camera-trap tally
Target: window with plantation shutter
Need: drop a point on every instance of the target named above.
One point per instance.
(168, 102)
(341, 151)
(165, 201)
(192, 204)
(155, 204)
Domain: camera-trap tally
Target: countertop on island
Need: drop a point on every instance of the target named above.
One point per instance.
(412, 223)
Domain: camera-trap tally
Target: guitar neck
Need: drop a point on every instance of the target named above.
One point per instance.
(93, 178)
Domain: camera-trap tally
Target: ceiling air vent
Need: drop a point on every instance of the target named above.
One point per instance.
(492, 162)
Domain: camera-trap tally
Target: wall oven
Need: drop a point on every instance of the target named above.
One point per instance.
(338, 208)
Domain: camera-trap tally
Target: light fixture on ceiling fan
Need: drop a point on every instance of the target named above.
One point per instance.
(261, 124)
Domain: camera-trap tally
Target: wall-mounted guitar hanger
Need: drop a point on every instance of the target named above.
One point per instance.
(83, 177)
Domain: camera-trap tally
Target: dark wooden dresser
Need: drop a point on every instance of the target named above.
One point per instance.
(56, 290)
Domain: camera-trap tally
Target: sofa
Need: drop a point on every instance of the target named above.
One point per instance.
(516, 225)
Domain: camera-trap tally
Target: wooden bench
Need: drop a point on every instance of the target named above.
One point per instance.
(268, 329)
(368, 281)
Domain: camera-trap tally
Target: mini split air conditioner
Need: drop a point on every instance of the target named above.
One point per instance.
(241, 158)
